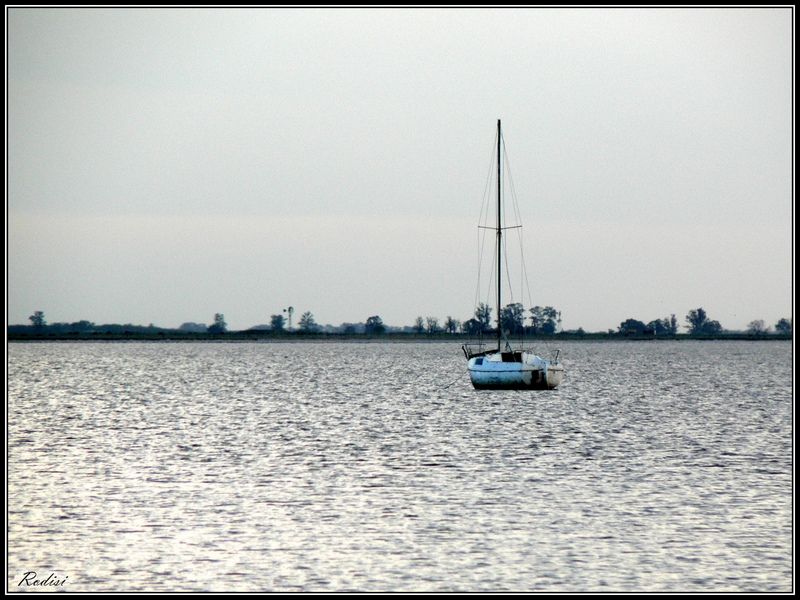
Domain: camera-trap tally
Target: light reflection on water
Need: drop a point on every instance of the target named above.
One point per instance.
(334, 467)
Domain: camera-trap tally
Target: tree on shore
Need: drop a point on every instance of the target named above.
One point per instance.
(451, 325)
(37, 319)
(544, 319)
(472, 327)
(512, 318)
(219, 325)
(665, 326)
(673, 324)
(484, 316)
(374, 326)
(277, 322)
(432, 325)
(700, 324)
(307, 323)
(634, 327)
(419, 325)
(757, 327)
(784, 326)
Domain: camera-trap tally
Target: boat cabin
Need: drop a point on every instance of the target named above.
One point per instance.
(506, 357)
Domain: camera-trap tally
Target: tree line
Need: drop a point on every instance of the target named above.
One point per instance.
(514, 320)
(542, 321)
(698, 323)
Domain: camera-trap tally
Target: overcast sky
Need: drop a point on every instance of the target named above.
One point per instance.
(165, 164)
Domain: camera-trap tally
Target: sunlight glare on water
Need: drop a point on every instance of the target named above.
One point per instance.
(358, 467)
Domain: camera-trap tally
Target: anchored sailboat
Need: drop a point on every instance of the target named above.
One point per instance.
(504, 367)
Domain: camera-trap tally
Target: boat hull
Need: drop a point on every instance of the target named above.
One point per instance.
(530, 373)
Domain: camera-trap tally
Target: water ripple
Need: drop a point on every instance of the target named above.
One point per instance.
(354, 467)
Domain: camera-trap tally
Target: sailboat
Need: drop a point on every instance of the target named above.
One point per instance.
(504, 367)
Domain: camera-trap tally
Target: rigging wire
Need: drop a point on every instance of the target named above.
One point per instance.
(518, 215)
(524, 281)
(483, 220)
(505, 224)
(491, 277)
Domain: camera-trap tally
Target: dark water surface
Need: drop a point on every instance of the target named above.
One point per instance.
(333, 467)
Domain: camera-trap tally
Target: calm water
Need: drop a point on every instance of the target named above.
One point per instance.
(334, 467)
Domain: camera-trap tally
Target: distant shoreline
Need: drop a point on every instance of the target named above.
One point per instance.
(295, 337)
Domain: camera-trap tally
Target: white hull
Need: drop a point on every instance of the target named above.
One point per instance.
(514, 370)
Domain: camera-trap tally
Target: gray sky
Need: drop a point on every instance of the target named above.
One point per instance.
(164, 165)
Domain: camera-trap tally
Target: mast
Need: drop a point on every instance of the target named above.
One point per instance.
(499, 244)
